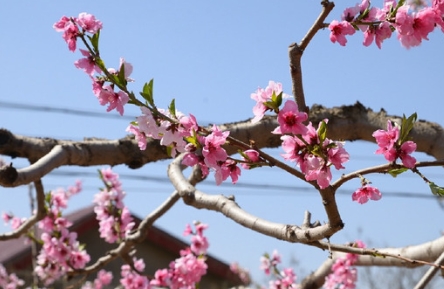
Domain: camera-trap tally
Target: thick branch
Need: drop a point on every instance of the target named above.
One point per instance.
(345, 123)
(230, 209)
(410, 256)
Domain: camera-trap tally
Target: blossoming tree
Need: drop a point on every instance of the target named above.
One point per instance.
(311, 140)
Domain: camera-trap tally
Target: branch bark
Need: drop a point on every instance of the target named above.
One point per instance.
(353, 122)
(410, 256)
(228, 207)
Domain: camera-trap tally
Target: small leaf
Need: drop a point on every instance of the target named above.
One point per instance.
(121, 74)
(436, 190)
(172, 108)
(322, 132)
(147, 92)
(115, 79)
(395, 172)
(406, 127)
(169, 150)
(279, 99)
(271, 105)
(95, 41)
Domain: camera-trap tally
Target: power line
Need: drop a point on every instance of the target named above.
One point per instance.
(283, 189)
(77, 112)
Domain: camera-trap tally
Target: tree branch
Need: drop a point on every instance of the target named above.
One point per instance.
(31, 221)
(230, 209)
(354, 122)
(295, 52)
(410, 256)
(430, 273)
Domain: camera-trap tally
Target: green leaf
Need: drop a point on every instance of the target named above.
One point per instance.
(322, 132)
(100, 63)
(172, 108)
(147, 92)
(436, 190)
(121, 75)
(115, 79)
(169, 150)
(395, 172)
(279, 99)
(271, 105)
(406, 127)
(95, 41)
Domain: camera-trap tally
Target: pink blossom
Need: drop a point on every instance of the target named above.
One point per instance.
(115, 100)
(70, 31)
(9, 281)
(389, 147)
(386, 139)
(252, 157)
(406, 149)
(104, 278)
(70, 35)
(199, 244)
(131, 279)
(115, 220)
(438, 7)
(188, 230)
(17, 222)
(78, 259)
(366, 192)
(212, 150)
(6, 217)
(89, 23)
(60, 25)
(350, 13)
(378, 33)
(413, 28)
(148, 125)
(268, 263)
(315, 168)
(343, 276)
(87, 64)
(339, 30)
(337, 155)
(162, 278)
(292, 146)
(128, 67)
(140, 136)
(227, 169)
(263, 95)
(291, 119)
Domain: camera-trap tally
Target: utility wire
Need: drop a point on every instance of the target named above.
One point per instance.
(245, 185)
(77, 112)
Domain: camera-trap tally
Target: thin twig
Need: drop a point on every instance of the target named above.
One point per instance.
(430, 273)
(295, 52)
(31, 221)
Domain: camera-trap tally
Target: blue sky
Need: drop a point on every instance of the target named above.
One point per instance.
(210, 57)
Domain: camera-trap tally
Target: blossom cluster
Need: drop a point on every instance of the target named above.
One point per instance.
(183, 273)
(114, 218)
(343, 274)
(75, 27)
(70, 28)
(61, 252)
(9, 281)
(283, 279)
(103, 278)
(411, 21)
(392, 147)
